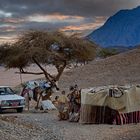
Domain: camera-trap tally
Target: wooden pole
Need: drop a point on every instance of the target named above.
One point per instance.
(28, 101)
(20, 78)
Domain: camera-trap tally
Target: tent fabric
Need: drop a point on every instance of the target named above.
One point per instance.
(104, 104)
(126, 118)
(97, 114)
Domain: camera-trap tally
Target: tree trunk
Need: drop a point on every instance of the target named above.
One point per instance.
(60, 71)
(47, 75)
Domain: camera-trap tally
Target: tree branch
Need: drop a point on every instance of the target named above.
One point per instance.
(47, 75)
(27, 72)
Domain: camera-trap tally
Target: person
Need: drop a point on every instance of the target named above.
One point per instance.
(74, 99)
(36, 91)
(62, 106)
(55, 102)
(27, 93)
(76, 87)
(70, 96)
(74, 104)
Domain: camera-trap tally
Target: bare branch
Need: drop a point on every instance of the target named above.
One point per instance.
(47, 75)
(26, 72)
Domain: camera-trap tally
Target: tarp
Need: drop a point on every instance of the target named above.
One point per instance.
(47, 105)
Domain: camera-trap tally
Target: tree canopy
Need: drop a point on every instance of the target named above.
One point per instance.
(42, 48)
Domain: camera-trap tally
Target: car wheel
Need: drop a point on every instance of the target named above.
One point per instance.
(0, 110)
(20, 110)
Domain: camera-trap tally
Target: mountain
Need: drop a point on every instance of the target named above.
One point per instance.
(119, 69)
(122, 29)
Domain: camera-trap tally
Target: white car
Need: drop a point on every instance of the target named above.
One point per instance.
(9, 100)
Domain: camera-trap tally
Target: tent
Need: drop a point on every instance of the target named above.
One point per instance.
(111, 105)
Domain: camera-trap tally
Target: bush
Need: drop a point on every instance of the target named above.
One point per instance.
(107, 52)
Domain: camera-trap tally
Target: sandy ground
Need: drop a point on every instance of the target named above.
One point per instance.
(45, 126)
(10, 78)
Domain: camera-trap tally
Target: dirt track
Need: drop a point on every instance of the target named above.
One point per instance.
(45, 126)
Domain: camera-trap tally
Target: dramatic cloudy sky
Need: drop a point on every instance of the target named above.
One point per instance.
(81, 16)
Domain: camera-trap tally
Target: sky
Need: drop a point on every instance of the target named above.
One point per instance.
(70, 16)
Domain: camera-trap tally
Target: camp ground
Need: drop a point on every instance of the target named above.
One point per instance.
(110, 105)
(113, 104)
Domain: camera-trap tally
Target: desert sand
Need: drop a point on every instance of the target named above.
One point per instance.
(10, 78)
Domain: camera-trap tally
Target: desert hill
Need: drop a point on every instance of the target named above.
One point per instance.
(120, 69)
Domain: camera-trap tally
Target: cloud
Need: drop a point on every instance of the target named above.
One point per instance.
(67, 15)
(5, 14)
(85, 27)
(54, 18)
(11, 21)
(66, 7)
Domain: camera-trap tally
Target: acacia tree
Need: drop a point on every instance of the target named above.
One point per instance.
(41, 47)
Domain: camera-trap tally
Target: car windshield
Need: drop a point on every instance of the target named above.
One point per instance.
(6, 91)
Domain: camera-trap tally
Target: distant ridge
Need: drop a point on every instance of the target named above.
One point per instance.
(121, 29)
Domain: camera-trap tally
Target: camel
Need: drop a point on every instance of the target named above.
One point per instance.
(37, 93)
